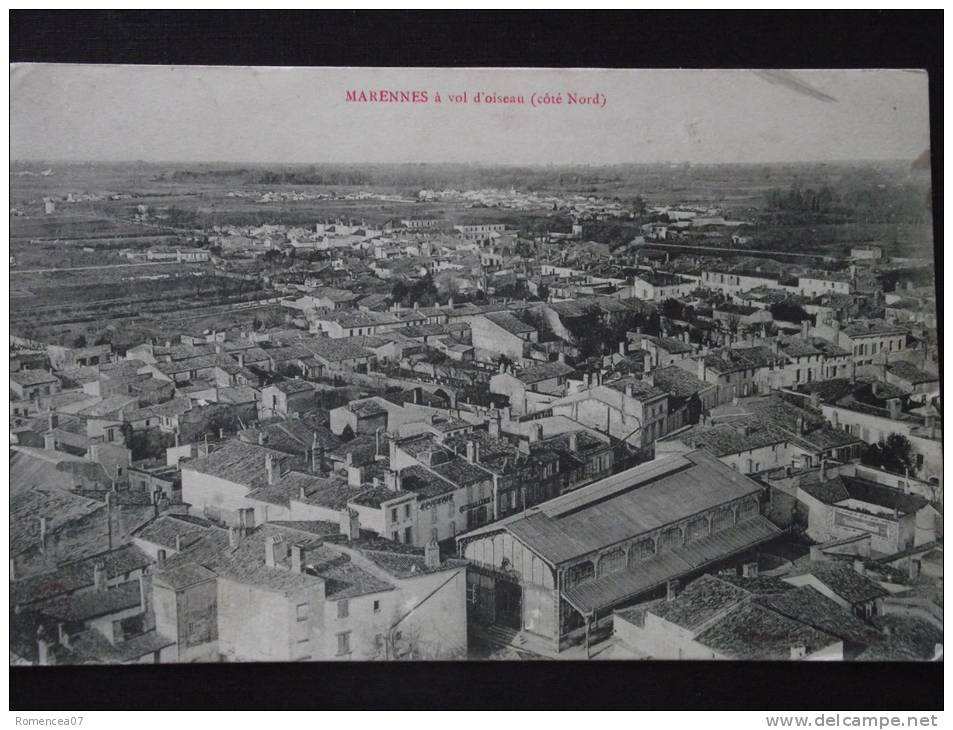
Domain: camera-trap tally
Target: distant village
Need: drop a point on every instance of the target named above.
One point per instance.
(478, 441)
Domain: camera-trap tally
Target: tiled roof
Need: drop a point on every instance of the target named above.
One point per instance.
(544, 371)
(807, 605)
(91, 645)
(910, 639)
(32, 377)
(92, 604)
(911, 373)
(509, 322)
(753, 632)
(241, 463)
(290, 387)
(678, 381)
(164, 530)
(183, 576)
(735, 438)
(843, 580)
(78, 574)
(873, 327)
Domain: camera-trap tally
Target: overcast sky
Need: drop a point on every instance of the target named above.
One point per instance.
(162, 113)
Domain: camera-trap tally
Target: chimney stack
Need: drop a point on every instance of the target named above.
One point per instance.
(535, 433)
(471, 451)
(913, 569)
(317, 456)
(43, 534)
(142, 594)
(893, 407)
(232, 537)
(270, 468)
(297, 558)
(823, 469)
(42, 647)
(350, 524)
(261, 438)
(432, 555)
(671, 590)
(647, 363)
(270, 544)
(701, 368)
(99, 576)
(749, 570)
(622, 348)
(494, 426)
(805, 328)
(859, 566)
(178, 543)
(798, 651)
(160, 558)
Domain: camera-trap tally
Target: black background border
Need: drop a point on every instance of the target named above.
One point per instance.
(724, 39)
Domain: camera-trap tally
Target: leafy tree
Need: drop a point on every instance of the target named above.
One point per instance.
(789, 312)
(79, 341)
(673, 309)
(894, 455)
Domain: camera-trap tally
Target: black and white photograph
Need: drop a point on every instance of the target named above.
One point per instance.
(340, 364)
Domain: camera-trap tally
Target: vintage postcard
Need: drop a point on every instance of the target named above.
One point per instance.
(379, 364)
